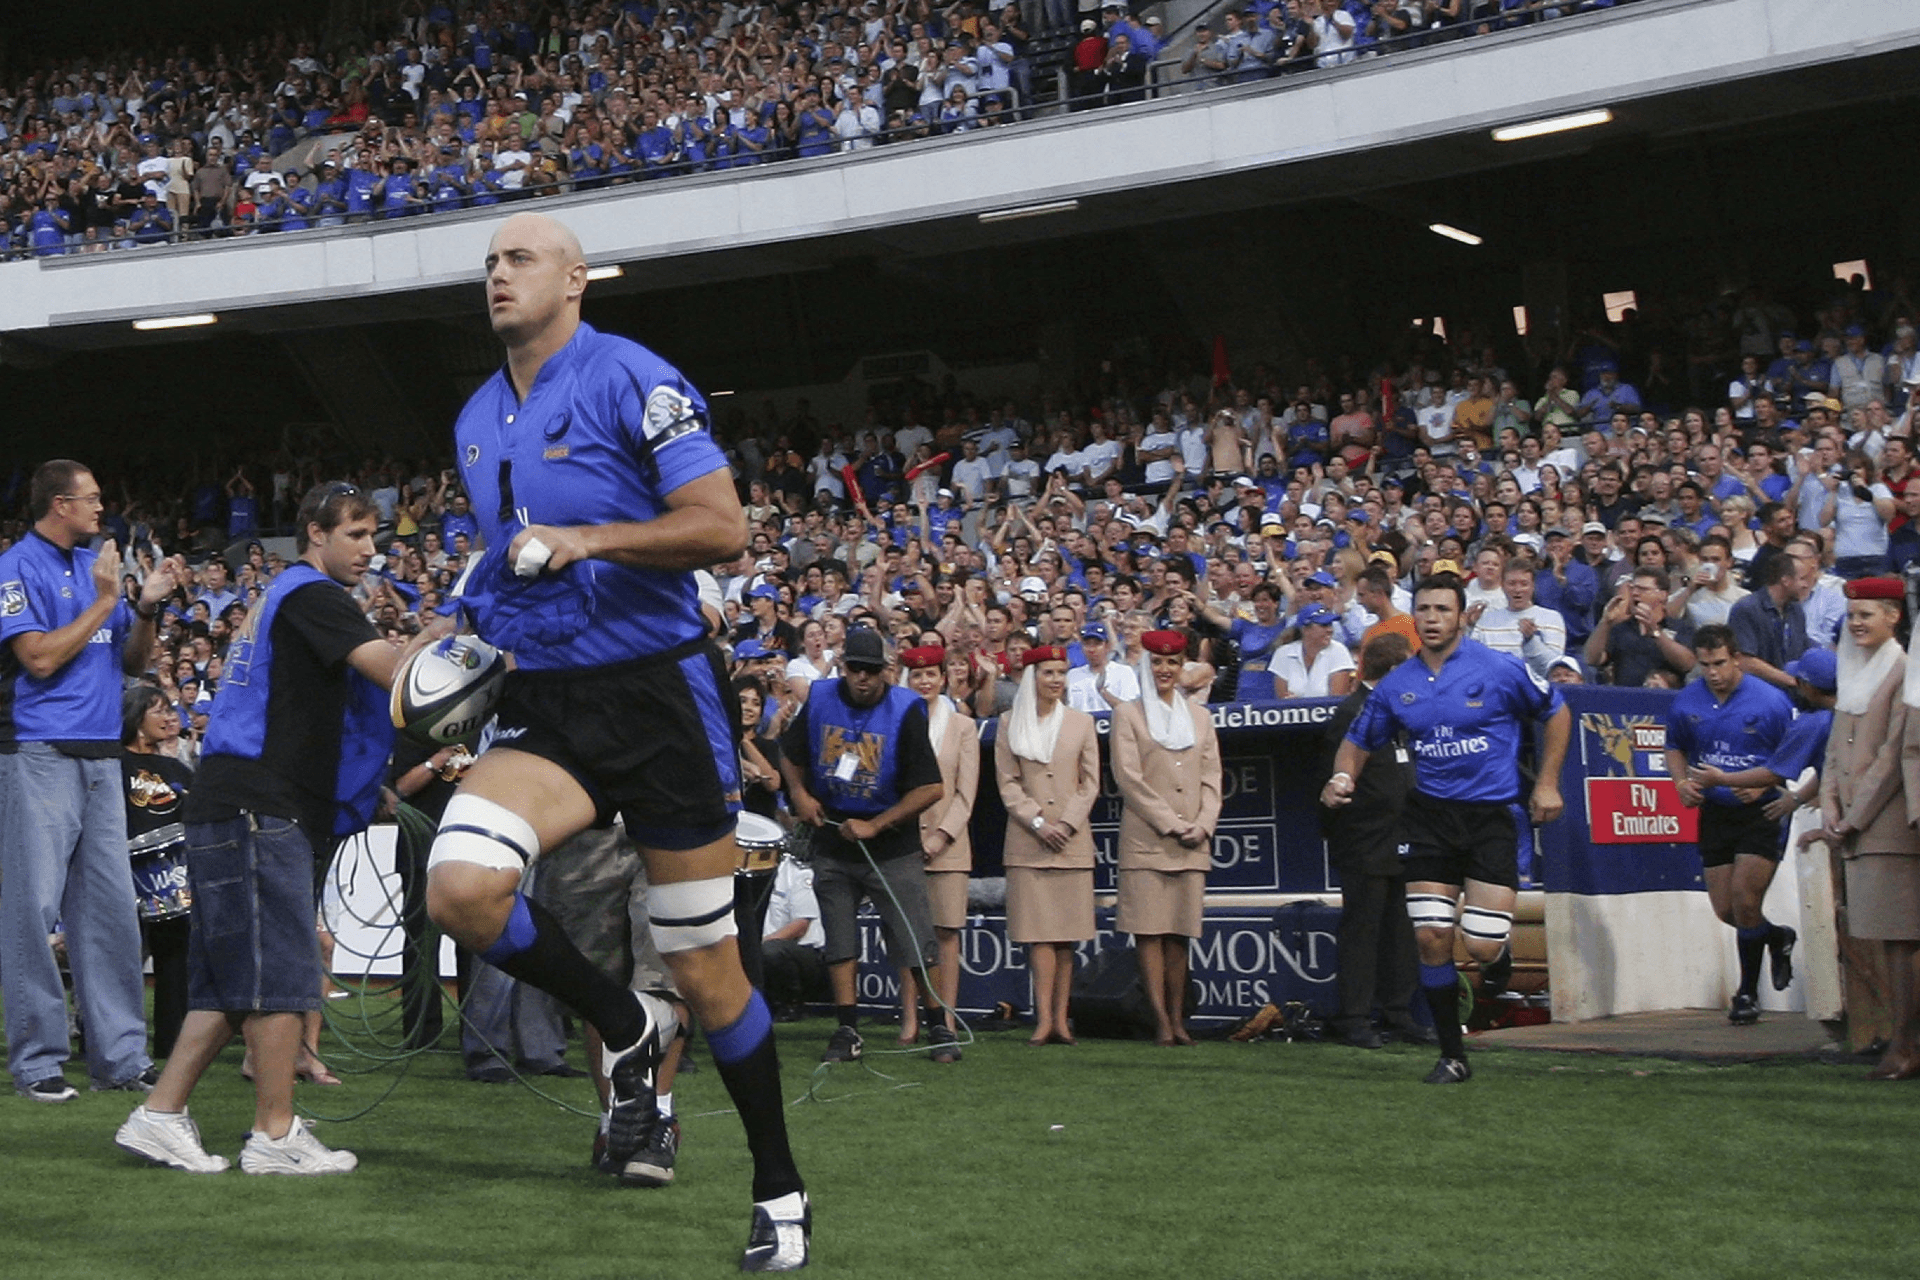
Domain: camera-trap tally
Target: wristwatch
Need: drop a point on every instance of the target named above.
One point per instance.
(1038, 822)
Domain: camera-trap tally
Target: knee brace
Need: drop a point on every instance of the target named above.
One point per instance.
(691, 914)
(1483, 925)
(1430, 911)
(486, 834)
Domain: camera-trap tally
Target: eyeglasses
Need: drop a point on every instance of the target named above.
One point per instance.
(91, 499)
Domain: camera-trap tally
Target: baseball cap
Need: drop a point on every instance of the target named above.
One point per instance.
(1818, 667)
(1446, 566)
(1317, 615)
(1244, 482)
(865, 648)
(1321, 578)
(1558, 532)
(765, 591)
(1094, 631)
(1033, 587)
(1592, 526)
(748, 650)
(1568, 661)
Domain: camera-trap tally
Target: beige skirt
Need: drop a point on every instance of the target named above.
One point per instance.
(947, 898)
(1883, 897)
(1153, 902)
(1049, 905)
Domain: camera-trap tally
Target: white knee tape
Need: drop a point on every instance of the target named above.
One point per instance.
(691, 914)
(1485, 925)
(1430, 911)
(477, 830)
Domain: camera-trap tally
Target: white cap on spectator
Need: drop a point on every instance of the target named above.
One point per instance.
(1592, 526)
(1244, 482)
(1033, 587)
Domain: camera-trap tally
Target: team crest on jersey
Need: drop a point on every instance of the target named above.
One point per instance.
(554, 433)
(473, 454)
(13, 599)
(670, 415)
(1407, 698)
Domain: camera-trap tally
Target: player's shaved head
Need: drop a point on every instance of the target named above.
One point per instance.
(536, 274)
(542, 233)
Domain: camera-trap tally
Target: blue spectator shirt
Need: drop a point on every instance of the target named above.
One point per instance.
(1744, 732)
(361, 184)
(1805, 743)
(1774, 635)
(607, 433)
(43, 588)
(1255, 680)
(1463, 725)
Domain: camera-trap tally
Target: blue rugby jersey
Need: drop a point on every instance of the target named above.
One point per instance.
(1743, 732)
(608, 431)
(43, 588)
(1462, 724)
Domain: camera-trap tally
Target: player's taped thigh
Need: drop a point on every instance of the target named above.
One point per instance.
(1430, 910)
(1482, 924)
(480, 832)
(691, 914)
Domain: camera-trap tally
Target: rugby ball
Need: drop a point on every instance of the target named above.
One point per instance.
(443, 694)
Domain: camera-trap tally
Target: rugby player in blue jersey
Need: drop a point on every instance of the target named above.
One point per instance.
(1727, 723)
(1460, 707)
(598, 490)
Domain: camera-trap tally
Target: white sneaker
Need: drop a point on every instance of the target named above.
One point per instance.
(297, 1153)
(170, 1138)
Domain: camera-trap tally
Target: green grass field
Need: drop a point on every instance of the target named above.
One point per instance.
(1222, 1160)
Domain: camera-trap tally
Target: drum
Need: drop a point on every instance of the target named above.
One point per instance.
(761, 843)
(159, 857)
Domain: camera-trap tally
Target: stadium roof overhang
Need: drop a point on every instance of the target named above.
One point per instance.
(1674, 73)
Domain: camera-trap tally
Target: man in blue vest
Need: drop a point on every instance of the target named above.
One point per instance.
(599, 488)
(68, 635)
(1462, 707)
(295, 754)
(860, 766)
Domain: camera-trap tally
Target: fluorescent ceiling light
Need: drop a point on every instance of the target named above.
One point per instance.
(1030, 211)
(611, 272)
(1454, 233)
(174, 322)
(1554, 124)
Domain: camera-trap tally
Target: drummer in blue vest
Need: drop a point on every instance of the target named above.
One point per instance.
(860, 766)
(1461, 706)
(295, 754)
(68, 635)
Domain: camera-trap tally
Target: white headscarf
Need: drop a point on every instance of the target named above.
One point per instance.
(1027, 734)
(1862, 672)
(1169, 725)
(939, 711)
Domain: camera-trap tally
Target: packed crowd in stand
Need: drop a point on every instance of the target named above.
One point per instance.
(1600, 515)
(461, 106)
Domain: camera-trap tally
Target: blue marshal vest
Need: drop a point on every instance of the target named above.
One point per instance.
(868, 736)
(237, 725)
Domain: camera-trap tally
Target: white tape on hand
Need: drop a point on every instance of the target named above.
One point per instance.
(532, 558)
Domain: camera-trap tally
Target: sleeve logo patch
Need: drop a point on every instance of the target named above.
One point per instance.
(670, 415)
(13, 599)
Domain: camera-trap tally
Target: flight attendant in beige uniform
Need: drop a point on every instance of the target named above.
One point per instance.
(945, 845)
(1048, 762)
(1866, 810)
(1166, 760)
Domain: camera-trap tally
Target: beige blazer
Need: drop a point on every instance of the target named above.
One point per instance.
(959, 754)
(1061, 790)
(1163, 791)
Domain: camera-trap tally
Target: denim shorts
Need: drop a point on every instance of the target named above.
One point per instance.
(253, 946)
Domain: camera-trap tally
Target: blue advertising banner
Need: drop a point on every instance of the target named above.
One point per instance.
(1273, 763)
(1242, 960)
(1624, 830)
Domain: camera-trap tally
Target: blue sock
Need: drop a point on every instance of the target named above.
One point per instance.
(516, 937)
(739, 1038)
(1751, 945)
(1440, 983)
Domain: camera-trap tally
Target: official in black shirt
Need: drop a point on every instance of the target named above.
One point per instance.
(1378, 963)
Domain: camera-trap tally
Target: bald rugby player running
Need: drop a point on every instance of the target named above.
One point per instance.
(599, 489)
